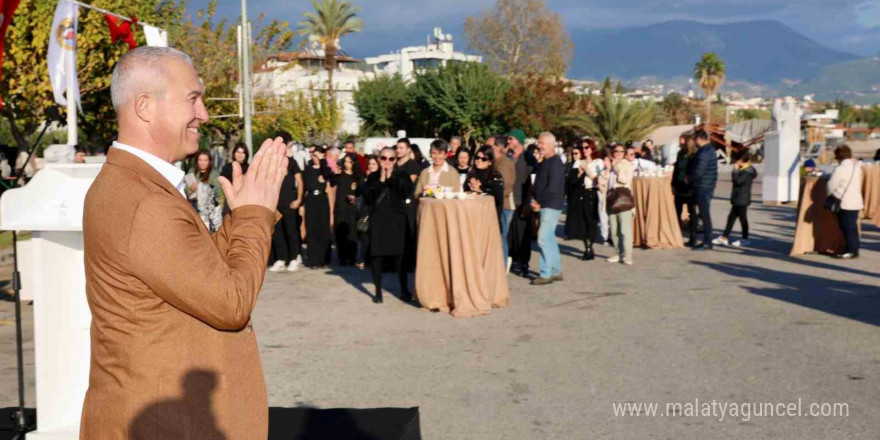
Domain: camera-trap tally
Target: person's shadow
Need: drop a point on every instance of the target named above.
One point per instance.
(179, 418)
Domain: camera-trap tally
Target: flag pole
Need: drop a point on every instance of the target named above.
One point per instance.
(71, 104)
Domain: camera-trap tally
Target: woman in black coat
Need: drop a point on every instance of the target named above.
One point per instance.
(582, 217)
(345, 214)
(317, 205)
(483, 179)
(682, 189)
(387, 191)
(240, 155)
(372, 166)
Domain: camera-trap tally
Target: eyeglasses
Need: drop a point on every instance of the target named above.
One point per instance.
(481, 159)
(386, 158)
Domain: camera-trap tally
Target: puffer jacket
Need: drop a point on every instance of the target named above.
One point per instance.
(704, 173)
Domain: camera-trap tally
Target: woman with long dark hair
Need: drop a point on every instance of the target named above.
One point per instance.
(387, 191)
(240, 155)
(682, 190)
(318, 209)
(345, 214)
(204, 191)
(372, 166)
(582, 217)
(483, 179)
(462, 164)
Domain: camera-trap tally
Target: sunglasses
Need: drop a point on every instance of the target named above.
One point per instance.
(481, 159)
(386, 158)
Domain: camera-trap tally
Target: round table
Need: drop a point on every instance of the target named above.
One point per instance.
(817, 228)
(460, 265)
(871, 192)
(655, 223)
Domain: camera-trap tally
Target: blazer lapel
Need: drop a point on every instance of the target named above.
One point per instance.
(124, 159)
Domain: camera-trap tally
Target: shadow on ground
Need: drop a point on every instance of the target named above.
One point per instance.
(860, 302)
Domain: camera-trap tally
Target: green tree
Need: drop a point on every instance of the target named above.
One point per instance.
(520, 37)
(872, 116)
(382, 104)
(535, 104)
(746, 114)
(26, 88)
(305, 115)
(617, 119)
(710, 72)
(676, 109)
(331, 20)
(457, 98)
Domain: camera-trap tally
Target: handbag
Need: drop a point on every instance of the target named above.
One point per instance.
(619, 199)
(363, 224)
(832, 203)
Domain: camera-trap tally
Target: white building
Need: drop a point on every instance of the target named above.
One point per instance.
(437, 52)
(287, 72)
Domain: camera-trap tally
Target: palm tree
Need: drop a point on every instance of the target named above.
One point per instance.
(709, 71)
(616, 119)
(331, 20)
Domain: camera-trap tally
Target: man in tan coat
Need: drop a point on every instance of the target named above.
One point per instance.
(173, 352)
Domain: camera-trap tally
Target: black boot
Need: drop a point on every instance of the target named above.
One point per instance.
(589, 255)
(378, 298)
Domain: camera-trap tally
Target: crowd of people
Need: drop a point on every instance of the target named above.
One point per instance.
(367, 204)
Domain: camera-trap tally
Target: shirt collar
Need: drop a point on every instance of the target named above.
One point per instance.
(170, 172)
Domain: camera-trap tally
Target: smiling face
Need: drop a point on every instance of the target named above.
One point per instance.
(438, 157)
(178, 110)
(239, 154)
(481, 161)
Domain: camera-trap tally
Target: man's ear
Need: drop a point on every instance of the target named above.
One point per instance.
(143, 106)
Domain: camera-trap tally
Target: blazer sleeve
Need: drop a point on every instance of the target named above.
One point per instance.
(187, 268)
(421, 182)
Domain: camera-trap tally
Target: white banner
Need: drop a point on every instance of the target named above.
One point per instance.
(62, 52)
(155, 36)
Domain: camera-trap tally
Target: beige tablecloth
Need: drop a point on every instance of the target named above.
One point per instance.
(655, 225)
(871, 192)
(817, 228)
(460, 259)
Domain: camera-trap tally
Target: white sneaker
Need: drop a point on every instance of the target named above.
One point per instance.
(293, 266)
(721, 241)
(628, 261)
(279, 266)
(613, 259)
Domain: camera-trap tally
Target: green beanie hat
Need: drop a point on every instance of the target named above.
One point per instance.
(518, 135)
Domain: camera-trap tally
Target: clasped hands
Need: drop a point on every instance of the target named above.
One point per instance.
(261, 185)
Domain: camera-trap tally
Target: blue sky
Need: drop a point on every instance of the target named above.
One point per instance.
(848, 25)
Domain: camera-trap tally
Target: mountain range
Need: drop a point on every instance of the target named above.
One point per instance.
(761, 57)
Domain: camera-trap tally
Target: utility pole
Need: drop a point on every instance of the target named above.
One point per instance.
(247, 99)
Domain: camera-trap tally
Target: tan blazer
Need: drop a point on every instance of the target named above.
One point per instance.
(173, 354)
(447, 178)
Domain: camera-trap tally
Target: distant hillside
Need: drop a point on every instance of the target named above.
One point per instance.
(856, 81)
(759, 52)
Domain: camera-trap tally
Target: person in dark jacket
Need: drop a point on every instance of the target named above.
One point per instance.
(483, 179)
(683, 190)
(519, 236)
(703, 175)
(364, 209)
(240, 155)
(345, 214)
(387, 191)
(740, 198)
(549, 201)
(582, 217)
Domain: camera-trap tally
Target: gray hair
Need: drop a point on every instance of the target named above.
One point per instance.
(455, 138)
(548, 135)
(141, 70)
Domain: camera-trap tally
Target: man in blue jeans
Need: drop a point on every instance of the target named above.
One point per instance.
(703, 177)
(505, 167)
(549, 201)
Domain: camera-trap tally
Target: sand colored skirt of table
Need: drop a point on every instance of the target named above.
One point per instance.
(460, 260)
(655, 224)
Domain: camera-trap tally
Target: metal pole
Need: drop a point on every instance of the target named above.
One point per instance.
(71, 101)
(246, 77)
(21, 422)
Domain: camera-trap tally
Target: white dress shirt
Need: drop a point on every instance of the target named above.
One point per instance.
(170, 172)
